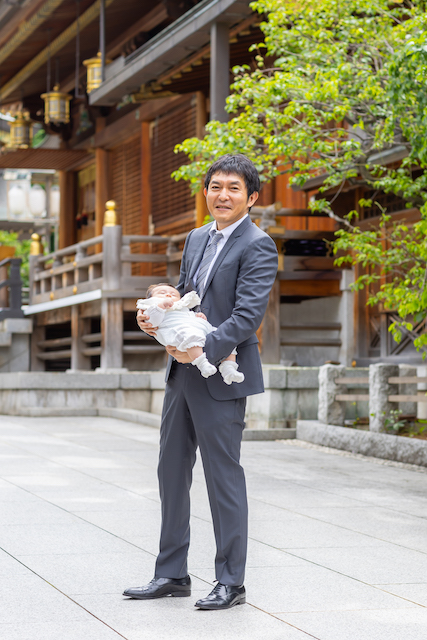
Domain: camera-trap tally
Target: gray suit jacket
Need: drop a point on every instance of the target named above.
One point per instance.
(234, 300)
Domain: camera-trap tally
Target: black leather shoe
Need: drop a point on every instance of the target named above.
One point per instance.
(223, 596)
(160, 588)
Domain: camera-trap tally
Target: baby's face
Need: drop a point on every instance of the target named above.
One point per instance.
(165, 292)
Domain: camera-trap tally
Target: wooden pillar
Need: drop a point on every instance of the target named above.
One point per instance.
(79, 327)
(112, 307)
(201, 119)
(145, 192)
(220, 71)
(101, 181)
(67, 209)
(269, 331)
(112, 333)
(37, 335)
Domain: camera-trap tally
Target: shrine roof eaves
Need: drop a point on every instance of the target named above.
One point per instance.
(176, 42)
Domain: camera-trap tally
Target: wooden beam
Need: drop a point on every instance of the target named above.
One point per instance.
(26, 27)
(296, 263)
(407, 398)
(408, 380)
(300, 234)
(311, 342)
(312, 326)
(310, 288)
(309, 275)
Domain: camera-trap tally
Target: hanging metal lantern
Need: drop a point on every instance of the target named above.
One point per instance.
(56, 106)
(20, 132)
(94, 71)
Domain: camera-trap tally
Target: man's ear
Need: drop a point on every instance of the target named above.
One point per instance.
(205, 192)
(253, 198)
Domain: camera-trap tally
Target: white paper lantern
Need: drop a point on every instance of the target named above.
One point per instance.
(16, 200)
(37, 201)
(54, 201)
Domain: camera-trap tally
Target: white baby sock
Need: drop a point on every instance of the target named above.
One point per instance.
(205, 367)
(228, 370)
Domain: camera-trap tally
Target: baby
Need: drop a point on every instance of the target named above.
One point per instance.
(183, 329)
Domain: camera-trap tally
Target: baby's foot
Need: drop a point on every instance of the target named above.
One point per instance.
(228, 370)
(205, 367)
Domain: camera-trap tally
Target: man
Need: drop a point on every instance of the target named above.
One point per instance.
(232, 264)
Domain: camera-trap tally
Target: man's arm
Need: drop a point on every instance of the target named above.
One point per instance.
(258, 269)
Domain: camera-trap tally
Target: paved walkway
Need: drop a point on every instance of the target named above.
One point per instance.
(338, 543)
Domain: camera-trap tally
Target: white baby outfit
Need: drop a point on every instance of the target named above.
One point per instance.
(178, 326)
(181, 328)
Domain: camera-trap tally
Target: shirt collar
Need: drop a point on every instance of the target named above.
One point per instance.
(228, 230)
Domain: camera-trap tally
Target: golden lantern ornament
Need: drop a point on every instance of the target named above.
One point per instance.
(20, 132)
(94, 71)
(56, 106)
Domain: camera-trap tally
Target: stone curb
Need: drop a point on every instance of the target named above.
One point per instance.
(268, 434)
(145, 418)
(40, 412)
(367, 443)
(132, 415)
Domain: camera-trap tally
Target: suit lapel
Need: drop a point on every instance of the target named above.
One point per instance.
(228, 245)
(196, 258)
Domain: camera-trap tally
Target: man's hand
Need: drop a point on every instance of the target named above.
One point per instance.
(180, 356)
(199, 314)
(146, 327)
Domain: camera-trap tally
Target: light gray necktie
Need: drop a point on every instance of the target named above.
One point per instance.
(208, 256)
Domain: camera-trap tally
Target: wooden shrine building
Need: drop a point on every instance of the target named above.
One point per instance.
(166, 72)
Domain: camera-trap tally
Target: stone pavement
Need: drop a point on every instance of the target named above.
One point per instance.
(337, 550)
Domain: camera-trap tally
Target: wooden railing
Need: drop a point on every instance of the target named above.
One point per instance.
(73, 270)
(10, 288)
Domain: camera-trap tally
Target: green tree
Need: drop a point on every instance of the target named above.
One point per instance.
(338, 86)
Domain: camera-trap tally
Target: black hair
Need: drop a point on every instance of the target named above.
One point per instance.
(159, 284)
(238, 164)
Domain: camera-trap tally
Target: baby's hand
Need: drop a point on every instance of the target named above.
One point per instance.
(199, 314)
(165, 304)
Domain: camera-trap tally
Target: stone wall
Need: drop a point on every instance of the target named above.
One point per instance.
(291, 393)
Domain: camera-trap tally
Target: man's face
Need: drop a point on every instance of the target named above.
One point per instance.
(227, 198)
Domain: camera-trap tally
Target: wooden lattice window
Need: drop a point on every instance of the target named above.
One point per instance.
(171, 201)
